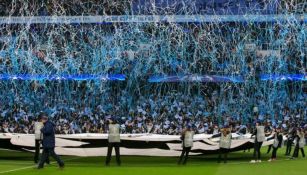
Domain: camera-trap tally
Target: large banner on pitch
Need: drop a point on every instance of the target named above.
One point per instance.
(131, 144)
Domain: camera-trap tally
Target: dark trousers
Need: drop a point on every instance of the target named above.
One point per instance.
(184, 155)
(289, 146)
(257, 147)
(225, 152)
(117, 153)
(269, 149)
(274, 153)
(45, 155)
(37, 152)
(296, 151)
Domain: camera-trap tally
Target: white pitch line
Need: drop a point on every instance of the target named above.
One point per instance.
(238, 163)
(15, 163)
(10, 150)
(18, 169)
(28, 167)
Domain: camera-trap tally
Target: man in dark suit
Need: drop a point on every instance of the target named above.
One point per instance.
(48, 143)
(38, 138)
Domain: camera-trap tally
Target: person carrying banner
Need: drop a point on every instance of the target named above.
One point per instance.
(278, 140)
(300, 143)
(114, 141)
(187, 144)
(259, 139)
(225, 144)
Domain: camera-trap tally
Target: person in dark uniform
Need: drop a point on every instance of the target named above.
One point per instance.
(187, 144)
(114, 141)
(300, 143)
(48, 143)
(38, 125)
(259, 139)
(291, 135)
(268, 131)
(278, 140)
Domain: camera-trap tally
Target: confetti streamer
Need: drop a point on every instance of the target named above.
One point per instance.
(139, 50)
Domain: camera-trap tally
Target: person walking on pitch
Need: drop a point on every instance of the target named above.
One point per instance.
(38, 125)
(114, 141)
(187, 144)
(48, 143)
(300, 143)
(278, 140)
(291, 135)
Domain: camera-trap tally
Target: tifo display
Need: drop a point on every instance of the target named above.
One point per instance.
(159, 78)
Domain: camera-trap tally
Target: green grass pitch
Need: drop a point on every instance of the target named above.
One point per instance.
(20, 163)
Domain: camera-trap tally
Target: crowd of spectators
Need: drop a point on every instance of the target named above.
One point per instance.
(140, 51)
(110, 7)
(167, 114)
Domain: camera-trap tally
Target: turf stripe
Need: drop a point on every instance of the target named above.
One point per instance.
(33, 166)
(167, 164)
(175, 165)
